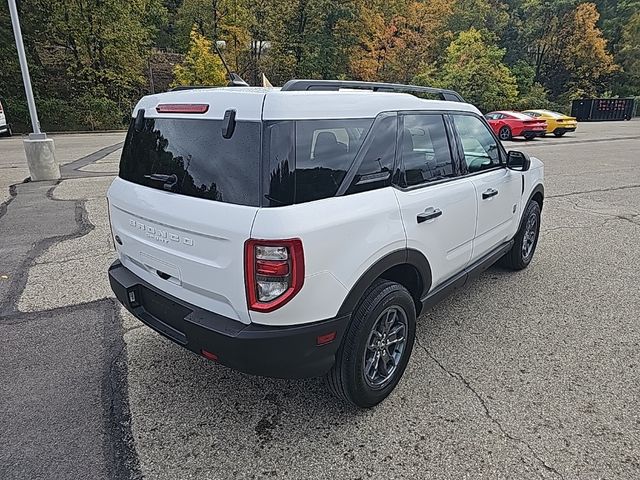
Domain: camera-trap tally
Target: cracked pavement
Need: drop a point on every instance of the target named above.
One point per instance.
(532, 374)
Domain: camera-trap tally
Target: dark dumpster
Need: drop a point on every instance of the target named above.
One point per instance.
(602, 109)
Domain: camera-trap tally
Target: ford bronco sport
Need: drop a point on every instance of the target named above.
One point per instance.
(298, 232)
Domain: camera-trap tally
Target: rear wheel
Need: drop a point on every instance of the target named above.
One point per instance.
(8, 132)
(526, 239)
(376, 347)
(559, 133)
(504, 133)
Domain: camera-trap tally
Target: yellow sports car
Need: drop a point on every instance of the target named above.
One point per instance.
(557, 123)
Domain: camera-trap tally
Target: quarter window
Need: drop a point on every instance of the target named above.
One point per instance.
(425, 151)
(481, 150)
(376, 167)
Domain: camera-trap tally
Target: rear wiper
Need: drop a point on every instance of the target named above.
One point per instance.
(170, 181)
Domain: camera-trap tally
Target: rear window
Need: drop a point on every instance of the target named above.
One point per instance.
(308, 159)
(190, 157)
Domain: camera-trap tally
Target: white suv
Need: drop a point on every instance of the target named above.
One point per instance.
(298, 232)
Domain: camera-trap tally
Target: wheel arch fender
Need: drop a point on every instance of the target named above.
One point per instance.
(411, 258)
(538, 194)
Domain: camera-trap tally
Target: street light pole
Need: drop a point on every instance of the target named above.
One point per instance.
(39, 149)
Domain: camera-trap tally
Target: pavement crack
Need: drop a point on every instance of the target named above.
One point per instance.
(597, 190)
(5, 204)
(487, 412)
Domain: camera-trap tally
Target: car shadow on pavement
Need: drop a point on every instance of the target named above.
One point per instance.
(181, 399)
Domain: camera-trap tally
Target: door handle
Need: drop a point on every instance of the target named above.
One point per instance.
(492, 192)
(429, 215)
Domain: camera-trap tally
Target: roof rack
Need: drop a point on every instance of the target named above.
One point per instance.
(190, 87)
(334, 85)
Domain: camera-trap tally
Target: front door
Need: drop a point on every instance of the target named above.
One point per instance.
(497, 189)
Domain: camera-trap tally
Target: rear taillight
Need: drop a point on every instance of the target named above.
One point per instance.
(274, 272)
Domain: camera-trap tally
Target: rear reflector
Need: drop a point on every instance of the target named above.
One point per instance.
(326, 338)
(182, 108)
(209, 355)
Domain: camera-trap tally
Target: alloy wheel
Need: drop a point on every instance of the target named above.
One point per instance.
(530, 234)
(385, 346)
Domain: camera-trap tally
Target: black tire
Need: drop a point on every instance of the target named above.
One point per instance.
(520, 255)
(504, 133)
(8, 132)
(347, 379)
(543, 134)
(529, 137)
(559, 133)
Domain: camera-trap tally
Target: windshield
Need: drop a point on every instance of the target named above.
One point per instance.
(190, 157)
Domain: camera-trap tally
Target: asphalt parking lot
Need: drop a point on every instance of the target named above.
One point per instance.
(521, 375)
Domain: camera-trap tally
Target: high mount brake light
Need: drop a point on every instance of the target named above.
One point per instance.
(182, 108)
(274, 272)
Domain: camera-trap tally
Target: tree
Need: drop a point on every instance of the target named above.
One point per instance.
(200, 66)
(474, 68)
(630, 57)
(585, 60)
(396, 49)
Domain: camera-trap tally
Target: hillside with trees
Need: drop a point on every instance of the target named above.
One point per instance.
(91, 60)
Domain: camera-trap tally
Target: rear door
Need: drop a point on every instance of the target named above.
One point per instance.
(184, 203)
(497, 189)
(438, 206)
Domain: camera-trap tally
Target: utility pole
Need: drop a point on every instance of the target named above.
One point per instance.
(39, 149)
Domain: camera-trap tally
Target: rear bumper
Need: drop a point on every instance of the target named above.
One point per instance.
(284, 352)
(533, 133)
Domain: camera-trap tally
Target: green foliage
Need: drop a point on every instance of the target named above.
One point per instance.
(200, 66)
(629, 82)
(474, 68)
(90, 60)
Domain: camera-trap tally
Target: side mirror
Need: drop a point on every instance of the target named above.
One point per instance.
(518, 161)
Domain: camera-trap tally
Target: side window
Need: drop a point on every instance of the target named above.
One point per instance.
(376, 167)
(425, 151)
(481, 150)
(325, 150)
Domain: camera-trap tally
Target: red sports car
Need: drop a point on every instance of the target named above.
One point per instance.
(515, 124)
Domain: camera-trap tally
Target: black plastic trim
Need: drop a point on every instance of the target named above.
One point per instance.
(539, 188)
(334, 85)
(399, 257)
(283, 352)
(460, 279)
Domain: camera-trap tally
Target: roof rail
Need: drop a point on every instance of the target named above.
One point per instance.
(191, 87)
(334, 85)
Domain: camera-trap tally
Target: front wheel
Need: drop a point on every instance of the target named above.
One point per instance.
(504, 133)
(376, 347)
(526, 239)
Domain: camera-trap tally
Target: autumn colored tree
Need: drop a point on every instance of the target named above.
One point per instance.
(586, 63)
(399, 47)
(473, 67)
(200, 66)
